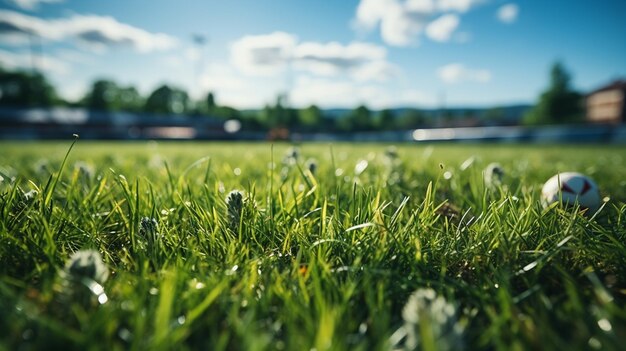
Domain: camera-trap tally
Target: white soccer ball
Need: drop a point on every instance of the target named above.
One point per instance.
(572, 188)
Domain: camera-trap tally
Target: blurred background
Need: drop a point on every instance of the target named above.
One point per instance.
(357, 70)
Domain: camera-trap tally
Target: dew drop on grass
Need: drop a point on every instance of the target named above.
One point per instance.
(232, 270)
(467, 163)
(237, 171)
(28, 334)
(360, 167)
(125, 334)
(127, 305)
(605, 325)
(428, 152)
(153, 291)
(594, 343)
(181, 320)
(102, 299)
(199, 285)
(447, 175)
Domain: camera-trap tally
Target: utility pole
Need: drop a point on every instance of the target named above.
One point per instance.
(200, 41)
(36, 49)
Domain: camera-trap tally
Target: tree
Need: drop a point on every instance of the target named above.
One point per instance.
(26, 89)
(167, 100)
(386, 120)
(106, 95)
(310, 116)
(129, 99)
(210, 102)
(495, 116)
(558, 104)
(278, 115)
(103, 96)
(359, 119)
(412, 118)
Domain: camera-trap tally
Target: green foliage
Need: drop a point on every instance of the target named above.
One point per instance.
(558, 104)
(412, 118)
(408, 249)
(360, 119)
(385, 120)
(167, 100)
(310, 116)
(210, 102)
(19, 88)
(278, 115)
(106, 95)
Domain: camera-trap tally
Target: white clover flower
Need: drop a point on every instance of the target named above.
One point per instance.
(42, 166)
(23, 200)
(149, 229)
(311, 165)
(427, 315)
(291, 156)
(234, 204)
(86, 264)
(84, 169)
(30, 196)
(391, 152)
(493, 174)
(360, 167)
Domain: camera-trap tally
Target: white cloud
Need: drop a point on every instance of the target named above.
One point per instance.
(48, 64)
(508, 13)
(403, 21)
(334, 58)
(263, 54)
(273, 53)
(375, 71)
(370, 12)
(31, 4)
(330, 93)
(457, 73)
(456, 5)
(442, 28)
(97, 32)
(233, 89)
(401, 26)
(73, 56)
(462, 37)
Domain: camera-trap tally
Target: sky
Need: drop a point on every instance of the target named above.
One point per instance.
(332, 53)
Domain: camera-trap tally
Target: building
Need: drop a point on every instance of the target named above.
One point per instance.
(607, 104)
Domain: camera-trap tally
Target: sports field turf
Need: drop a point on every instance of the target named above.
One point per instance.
(330, 247)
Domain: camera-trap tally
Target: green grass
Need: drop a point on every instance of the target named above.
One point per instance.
(323, 261)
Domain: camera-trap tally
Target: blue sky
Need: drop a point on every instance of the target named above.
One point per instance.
(382, 53)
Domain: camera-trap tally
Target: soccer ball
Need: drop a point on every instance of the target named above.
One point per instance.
(572, 188)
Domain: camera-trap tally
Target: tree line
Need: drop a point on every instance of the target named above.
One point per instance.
(559, 103)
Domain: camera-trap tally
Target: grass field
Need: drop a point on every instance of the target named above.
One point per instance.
(337, 247)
